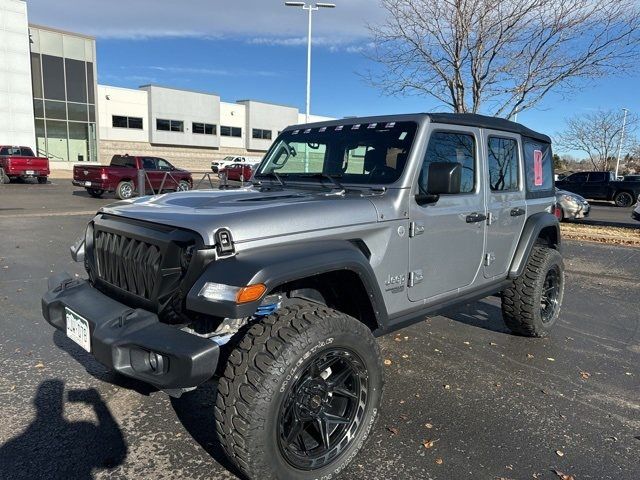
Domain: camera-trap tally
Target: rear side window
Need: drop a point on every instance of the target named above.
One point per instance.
(538, 165)
(503, 164)
(452, 147)
(577, 178)
(123, 161)
(598, 177)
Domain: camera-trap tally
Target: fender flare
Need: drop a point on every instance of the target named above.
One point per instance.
(276, 265)
(530, 234)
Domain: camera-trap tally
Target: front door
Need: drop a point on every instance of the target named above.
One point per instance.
(505, 201)
(447, 237)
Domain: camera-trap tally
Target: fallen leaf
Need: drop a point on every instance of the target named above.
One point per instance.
(387, 361)
(493, 344)
(560, 453)
(628, 373)
(447, 387)
(585, 375)
(40, 365)
(398, 339)
(405, 356)
(13, 387)
(428, 425)
(429, 443)
(551, 359)
(393, 430)
(439, 461)
(529, 355)
(563, 476)
(466, 343)
(406, 338)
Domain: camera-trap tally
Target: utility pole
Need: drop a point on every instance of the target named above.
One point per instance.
(624, 124)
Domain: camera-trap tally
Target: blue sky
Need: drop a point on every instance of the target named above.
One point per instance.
(256, 49)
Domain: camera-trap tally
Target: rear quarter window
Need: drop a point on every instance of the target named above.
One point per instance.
(538, 164)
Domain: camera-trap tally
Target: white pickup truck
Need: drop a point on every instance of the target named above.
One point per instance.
(218, 165)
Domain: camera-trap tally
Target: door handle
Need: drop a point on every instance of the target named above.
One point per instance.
(516, 212)
(476, 217)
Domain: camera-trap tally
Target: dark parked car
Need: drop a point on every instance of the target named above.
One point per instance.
(20, 162)
(602, 186)
(121, 176)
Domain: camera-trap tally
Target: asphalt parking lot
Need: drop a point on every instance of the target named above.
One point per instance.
(488, 404)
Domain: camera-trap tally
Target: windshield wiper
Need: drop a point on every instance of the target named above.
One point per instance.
(332, 178)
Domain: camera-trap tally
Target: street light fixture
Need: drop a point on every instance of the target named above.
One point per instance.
(310, 8)
(624, 124)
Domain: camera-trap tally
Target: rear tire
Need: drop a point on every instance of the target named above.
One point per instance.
(531, 306)
(623, 199)
(42, 180)
(124, 190)
(183, 186)
(282, 384)
(95, 192)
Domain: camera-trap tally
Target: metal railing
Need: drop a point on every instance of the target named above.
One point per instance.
(207, 180)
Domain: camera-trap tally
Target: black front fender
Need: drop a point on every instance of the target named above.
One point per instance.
(274, 266)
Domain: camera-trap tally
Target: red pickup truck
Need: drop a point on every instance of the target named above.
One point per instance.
(121, 176)
(20, 162)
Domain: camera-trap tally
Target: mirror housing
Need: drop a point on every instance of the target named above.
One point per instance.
(444, 179)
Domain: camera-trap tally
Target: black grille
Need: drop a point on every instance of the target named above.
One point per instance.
(129, 264)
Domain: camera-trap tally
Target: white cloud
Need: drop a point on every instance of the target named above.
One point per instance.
(249, 19)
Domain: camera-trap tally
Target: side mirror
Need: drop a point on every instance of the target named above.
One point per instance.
(444, 178)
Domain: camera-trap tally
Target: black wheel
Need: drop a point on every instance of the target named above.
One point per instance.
(183, 186)
(124, 190)
(42, 180)
(623, 199)
(95, 192)
(299, 394)
(531, 305)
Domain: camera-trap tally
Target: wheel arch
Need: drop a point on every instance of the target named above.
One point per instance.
(337, 270)
(540, 228)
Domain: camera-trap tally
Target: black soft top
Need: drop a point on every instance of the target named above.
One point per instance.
(467, 119)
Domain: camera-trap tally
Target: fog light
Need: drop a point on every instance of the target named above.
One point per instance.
(156, 362)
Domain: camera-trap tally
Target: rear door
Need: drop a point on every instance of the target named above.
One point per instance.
(506, 203)
(597, 185)
(575, 183)
(154, 176)
(447, 237)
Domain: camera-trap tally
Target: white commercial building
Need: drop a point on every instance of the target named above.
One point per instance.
(50, 100)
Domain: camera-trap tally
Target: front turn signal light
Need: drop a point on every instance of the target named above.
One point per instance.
(250, 293)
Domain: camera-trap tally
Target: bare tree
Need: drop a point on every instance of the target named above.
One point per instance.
(501, 56)
(598, 135)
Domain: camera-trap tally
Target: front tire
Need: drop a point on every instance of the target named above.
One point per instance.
(183, 186)
(124, 190)
(300, 394)
(531, 306)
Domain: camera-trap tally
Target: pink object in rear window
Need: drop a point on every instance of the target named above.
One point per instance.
(537, 168)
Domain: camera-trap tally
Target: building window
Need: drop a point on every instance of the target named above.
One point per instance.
(230, 131)
(119, 121)
(169, 125)
(261, 134)
(204, 128)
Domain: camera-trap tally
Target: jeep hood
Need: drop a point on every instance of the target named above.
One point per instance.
(249, 213)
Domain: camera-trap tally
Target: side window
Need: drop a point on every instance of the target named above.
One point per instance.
(577, 178)
(452, 147)
(503, 164)
(163, 164)
(598, 177)
(149, 163)
(538, 164)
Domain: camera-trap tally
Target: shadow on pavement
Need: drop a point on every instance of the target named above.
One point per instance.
(478, 314)
(195, 410)
(605, 223)
(52, 447)
(97, 370)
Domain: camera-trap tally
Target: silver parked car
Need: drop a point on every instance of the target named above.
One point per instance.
(636, 213)
(571, 206)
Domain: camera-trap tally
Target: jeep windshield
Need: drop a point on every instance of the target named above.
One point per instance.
(368, 153)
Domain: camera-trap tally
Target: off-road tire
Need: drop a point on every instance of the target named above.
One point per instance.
(623, 199)
(264, 366)
(95, 192)
(125, 190)
(521, 303)
(42, 180)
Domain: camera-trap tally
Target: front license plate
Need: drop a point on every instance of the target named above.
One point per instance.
(30, 172)
(78, 329)
(87, 184)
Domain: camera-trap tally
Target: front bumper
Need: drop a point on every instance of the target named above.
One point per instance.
(90, 184)
(123, 338)
(636, 215)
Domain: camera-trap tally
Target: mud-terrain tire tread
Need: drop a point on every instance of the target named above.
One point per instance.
(255, 365)
(520, 302)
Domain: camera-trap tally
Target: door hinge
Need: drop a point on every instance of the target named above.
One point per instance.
(490, 218)
(489, 258)
(415, 278)
(415, 229)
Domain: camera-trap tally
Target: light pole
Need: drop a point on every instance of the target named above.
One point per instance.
(624, 124)
(310, 8)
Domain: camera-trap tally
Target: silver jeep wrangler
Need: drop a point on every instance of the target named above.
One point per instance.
(351, 229)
